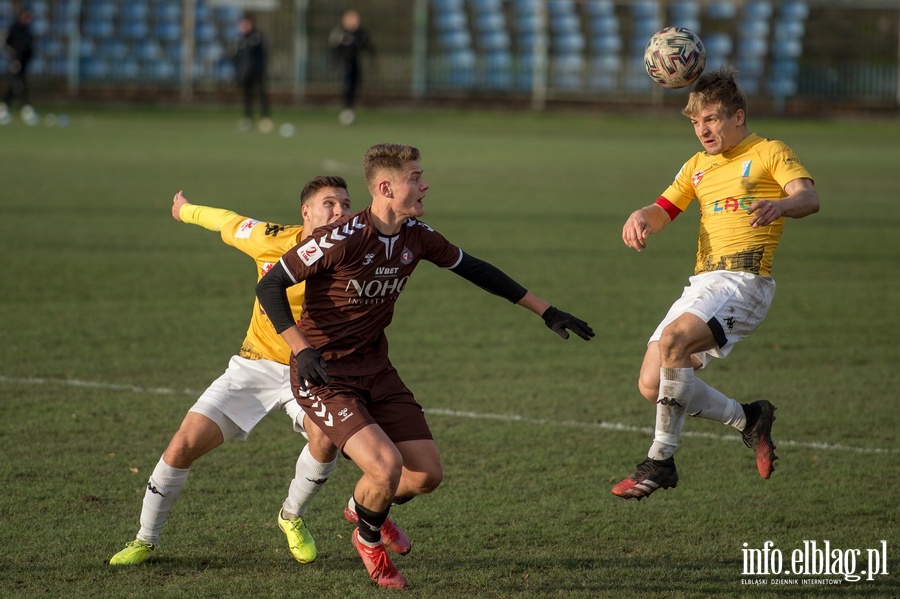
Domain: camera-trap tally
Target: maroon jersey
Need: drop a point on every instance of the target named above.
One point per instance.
(354, 275)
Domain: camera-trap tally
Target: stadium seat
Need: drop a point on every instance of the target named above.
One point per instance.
(567, 71)
(604, 72)
(458, 39)
(757, 10)
(600, 8)
(497, 67)
(722, 9)
(93, 68)
(461, 68)
(99, 29)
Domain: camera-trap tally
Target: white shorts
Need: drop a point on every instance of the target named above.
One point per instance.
(733, 304)
(246, 392)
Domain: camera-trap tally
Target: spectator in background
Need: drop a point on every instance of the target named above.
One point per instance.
(18, 46)
(250, 63)
(348, 41)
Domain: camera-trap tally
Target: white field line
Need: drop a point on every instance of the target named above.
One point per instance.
(610, 426)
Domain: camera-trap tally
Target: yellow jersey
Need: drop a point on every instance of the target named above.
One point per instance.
(265, 243)
(726, 185)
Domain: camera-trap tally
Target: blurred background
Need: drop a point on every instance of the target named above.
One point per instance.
(794, 56)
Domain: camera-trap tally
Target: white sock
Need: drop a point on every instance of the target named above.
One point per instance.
(712, 404)
(163, 489)
(676, 386)
(309, 478)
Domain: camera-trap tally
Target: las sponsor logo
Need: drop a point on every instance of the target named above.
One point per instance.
(814, 559)
(310, 252)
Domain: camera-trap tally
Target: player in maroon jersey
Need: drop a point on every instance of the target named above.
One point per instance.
(355, 269)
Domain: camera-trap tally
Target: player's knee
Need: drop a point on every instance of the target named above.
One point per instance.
(672, 344)
(420, 483)
(322, 450)
(183, 450)
(649, 391)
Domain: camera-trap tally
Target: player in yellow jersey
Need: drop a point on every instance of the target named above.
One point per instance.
(256, 383)
(746, 186)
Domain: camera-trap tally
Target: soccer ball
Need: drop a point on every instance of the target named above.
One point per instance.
(674, 57)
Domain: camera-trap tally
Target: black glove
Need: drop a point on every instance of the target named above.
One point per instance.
(310, 367)
(559, 321)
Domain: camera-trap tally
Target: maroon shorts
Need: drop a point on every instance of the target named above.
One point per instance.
(350, 403)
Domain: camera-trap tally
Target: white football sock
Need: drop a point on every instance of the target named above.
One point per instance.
(676, 386)
(712, 404)
(309, 478)
(163, 489)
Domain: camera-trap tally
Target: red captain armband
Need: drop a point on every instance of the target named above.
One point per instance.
(671, 209)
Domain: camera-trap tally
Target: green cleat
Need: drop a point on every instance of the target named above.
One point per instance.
(136, 552)
(300, 541)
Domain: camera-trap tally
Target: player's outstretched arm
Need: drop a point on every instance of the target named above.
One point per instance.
(643, 223)
(213, 219)
(556, 320)
(492, 279)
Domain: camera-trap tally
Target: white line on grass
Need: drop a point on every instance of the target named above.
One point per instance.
(611, 426)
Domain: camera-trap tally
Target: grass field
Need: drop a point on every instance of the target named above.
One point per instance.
(114, 318)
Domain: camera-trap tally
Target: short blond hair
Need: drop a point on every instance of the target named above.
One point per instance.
(391, 157)
(717, 88)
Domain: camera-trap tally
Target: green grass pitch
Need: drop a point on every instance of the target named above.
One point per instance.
(114, 317)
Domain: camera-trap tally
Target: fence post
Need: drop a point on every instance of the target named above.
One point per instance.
(188, 24)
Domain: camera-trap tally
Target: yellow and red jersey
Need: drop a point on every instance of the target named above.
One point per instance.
(726, 185)
(265, 243)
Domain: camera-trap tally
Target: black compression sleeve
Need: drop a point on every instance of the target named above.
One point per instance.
(272, 293)
(489, 277)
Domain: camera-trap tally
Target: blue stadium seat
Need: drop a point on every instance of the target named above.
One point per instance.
(167, 12)
(787, 48)
(450, 20)
(604, 25)
(604, 72)
(718, 44)
(100, 28)
(487, 6)
(793, 9)
(757, 9)
(441, 6)
(752, 47)
(134, 30)
(489, 22)
(93, 68)
(125, 69)
(495, 40)
(205, 32)
(560, 7)
(567, 71)
(461, 68)
(135, 11)
(606, 44)
(722, 9)
(114, 49)
(789, 30)
(168, 31)
(100, 10)
(568, 43)
(600, 8)
(498, 70)
(148, 50)
(458, 39)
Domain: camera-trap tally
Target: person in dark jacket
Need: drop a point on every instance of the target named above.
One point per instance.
(18, 46)
(349, 41)
(250, 63)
